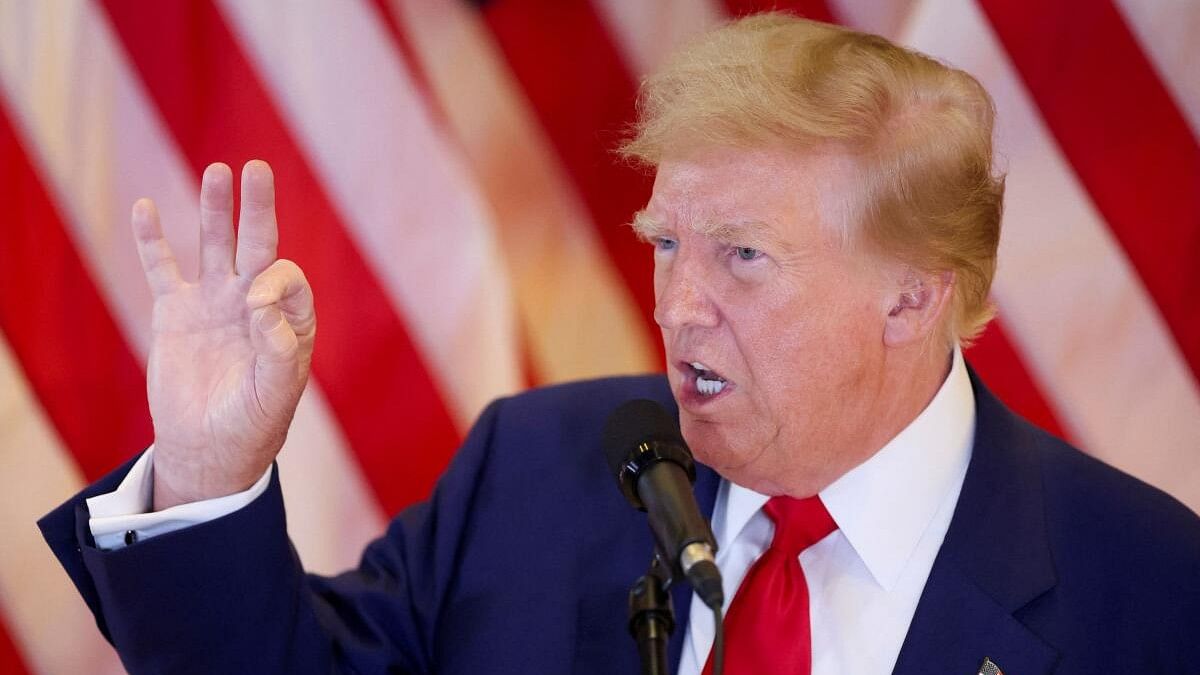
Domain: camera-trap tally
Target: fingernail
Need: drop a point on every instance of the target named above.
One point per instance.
(274, 328)
(280, 340)
(269, 319)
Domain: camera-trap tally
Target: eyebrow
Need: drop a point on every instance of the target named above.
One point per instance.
(646, 227)
(752, 234)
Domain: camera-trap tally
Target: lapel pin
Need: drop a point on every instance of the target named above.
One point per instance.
(989, 668)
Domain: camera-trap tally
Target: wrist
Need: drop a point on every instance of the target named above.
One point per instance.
(174, 484)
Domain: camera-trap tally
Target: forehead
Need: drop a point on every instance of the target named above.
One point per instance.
(787, 190)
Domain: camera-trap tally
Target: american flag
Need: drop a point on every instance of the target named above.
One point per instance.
(446, 179)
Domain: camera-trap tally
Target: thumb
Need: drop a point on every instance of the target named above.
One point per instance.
(283, 285)
(273, 338)
(277, 371)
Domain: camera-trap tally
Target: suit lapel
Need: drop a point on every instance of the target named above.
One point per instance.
(958, 624)
(994, 561)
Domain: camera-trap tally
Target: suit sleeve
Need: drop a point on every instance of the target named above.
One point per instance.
(230, 595)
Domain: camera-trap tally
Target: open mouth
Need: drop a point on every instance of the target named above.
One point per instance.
(708, 381)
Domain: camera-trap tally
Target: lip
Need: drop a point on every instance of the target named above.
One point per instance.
(686, 394)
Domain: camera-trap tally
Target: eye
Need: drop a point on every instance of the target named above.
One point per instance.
(664, 244)
(747, 253)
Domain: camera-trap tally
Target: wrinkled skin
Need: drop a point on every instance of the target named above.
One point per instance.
(753, 280)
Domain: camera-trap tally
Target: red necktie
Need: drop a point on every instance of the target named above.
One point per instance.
(767, 627)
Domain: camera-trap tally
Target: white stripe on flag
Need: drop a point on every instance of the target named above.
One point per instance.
(647, 32)
(883, 17)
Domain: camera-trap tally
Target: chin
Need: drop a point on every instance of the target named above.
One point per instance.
(731, 452)
(711, 446)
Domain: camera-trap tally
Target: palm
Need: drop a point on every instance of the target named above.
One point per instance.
(201, 372)
(230, 351)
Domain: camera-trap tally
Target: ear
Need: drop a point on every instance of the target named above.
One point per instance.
(916, 306)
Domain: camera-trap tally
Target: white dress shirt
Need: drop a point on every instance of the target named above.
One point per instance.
(116, 514)
(864, 579)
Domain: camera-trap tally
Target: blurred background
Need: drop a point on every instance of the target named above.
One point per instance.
(446, 179)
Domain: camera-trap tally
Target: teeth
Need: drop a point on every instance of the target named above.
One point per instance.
(709, 387)
(698, 366)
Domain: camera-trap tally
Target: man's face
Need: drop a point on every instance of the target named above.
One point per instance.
(773, 327)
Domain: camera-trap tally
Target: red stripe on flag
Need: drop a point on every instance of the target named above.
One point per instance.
(574, 77)
(373, 377)
(1000, 367)
(75, 358)
(1124, 136)
(817, 10)
(11, 662)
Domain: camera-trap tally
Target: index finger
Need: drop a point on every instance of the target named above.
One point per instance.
(158, 262)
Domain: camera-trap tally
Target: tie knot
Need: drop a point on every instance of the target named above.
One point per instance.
(799, 523)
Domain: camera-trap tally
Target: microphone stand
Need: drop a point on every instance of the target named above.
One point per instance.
(652, 618)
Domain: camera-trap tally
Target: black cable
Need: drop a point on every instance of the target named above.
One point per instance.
(718, 642)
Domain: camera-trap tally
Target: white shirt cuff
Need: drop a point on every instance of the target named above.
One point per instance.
(123, 516)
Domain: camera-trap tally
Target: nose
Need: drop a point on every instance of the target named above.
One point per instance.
(683, 298)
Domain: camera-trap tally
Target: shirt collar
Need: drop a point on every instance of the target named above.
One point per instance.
(884, 505)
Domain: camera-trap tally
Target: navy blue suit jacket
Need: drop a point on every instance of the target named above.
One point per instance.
(522, 559)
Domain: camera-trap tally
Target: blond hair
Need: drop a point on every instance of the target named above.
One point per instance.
(919, 131)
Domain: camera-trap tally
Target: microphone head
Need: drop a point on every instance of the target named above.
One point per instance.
(639, 433)
(633, 423)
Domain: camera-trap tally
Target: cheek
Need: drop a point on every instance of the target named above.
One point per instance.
(803, 348)
(782, 334)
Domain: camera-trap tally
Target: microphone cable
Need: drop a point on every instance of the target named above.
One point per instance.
(718, 642)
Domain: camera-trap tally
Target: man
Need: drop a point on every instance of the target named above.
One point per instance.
(824, 222)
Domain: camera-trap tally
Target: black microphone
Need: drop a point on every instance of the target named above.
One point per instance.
(655, 472)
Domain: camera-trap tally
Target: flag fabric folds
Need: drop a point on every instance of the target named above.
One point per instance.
(446, 179)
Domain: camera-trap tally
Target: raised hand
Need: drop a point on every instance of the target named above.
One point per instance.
(231, 350)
